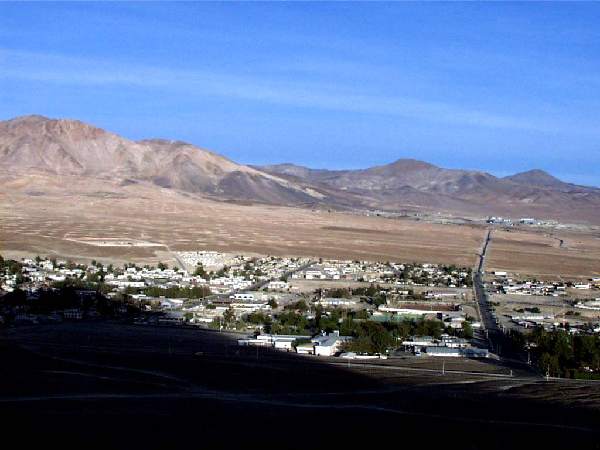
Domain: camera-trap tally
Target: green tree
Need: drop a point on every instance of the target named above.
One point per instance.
(371, 337)
(229, 317)
(200, 272)
(467, 330)
(549, 364)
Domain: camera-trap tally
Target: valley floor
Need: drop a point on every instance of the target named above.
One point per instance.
(40, 216)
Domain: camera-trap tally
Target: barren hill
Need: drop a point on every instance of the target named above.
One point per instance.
(409, 183)
(67, 148)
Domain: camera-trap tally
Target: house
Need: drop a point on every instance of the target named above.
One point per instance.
(284, 343)
(278, 285)
(307, 348)
(242, 296)
(528, 221)
(329, 344)
(337, 302)
(314, 275)
(419, 341)
(454, 342)
(56, 277)
(408, 311)
(169, 303)
(443, 351)
(280, 342)
(456, 322)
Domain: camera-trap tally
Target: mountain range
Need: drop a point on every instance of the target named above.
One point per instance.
(59, 148)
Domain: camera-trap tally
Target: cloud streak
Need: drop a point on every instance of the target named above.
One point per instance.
(67, 70)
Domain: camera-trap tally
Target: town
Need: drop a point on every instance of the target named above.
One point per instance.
(354, 309)
(344, 309)
(525, 303)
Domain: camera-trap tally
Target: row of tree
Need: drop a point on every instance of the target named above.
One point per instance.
(559, 353)
(59, 299)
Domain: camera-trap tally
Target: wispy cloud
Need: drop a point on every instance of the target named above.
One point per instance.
(66, 70)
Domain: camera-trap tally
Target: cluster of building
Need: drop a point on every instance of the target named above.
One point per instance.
(324, 344)
(210, 260)
(141, 277)
(593, 305)
(239, 304)
(377, 272)
(39, 272)
(549, 315)
(241, 285)
(241, 273)
(452, 315)
(502, 283)
(347, 270)
(230, 272)
(508, 222)
(446, 345)
(226, 274)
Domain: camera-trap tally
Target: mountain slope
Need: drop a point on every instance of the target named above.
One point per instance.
(59, 149)
(536, 177)
(68, 147)
(412, 183)
(403, 173)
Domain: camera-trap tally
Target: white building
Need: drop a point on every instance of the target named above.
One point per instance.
(314, 275)
(280, 342)
(443, 351)
(329, 344)
(337, 302)
(278, 285)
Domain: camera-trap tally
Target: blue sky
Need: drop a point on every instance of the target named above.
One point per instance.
(496, 87)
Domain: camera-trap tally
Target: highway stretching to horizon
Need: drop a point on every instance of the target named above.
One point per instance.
(497, 340)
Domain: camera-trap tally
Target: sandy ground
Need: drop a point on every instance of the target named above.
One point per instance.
(540, 253)
(56, 222)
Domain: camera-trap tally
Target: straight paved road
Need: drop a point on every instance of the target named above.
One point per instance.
(498, 341)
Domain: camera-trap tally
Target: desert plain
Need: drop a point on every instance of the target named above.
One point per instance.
(109, 221)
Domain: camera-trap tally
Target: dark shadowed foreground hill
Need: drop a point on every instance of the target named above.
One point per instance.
(108, 385)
